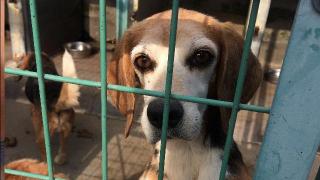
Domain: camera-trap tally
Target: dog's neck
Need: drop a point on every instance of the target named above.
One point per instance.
(200, 158)
(191, 160)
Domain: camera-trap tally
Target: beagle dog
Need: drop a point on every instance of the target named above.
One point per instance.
(61, 98)
(206, 64)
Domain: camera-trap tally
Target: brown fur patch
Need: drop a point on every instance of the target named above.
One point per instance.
(31, 166)
(121, 72)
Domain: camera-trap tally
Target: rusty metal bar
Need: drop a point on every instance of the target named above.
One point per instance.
(2, 95)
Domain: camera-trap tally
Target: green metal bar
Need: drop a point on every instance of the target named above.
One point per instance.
(220, 103)
(135, 90)
(239, 87)
(122, 17)
(35, 33)
(26, 174)
(193, 99)
(254, 108)
(292, 136)
(53, 77)
(168, 85)
(103, 81)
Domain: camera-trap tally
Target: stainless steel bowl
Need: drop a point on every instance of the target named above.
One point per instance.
(272, 75)
(79, 49)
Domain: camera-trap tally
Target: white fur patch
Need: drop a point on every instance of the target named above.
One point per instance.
(190, 160)
(70, 92)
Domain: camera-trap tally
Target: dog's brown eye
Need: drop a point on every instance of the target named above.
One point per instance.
(200, 59)
(143, 63)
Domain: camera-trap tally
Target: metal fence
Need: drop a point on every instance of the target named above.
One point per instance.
(122, 12)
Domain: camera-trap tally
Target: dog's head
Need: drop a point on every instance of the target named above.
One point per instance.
(206, 64)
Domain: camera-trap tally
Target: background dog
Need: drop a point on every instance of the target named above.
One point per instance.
(31, 166)
(207, 60)
(61, 98)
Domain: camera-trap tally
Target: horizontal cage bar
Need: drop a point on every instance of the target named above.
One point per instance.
(53, 77)
(212, 102)
(27, 174)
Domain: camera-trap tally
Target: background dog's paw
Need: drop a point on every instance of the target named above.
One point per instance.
(60, 159)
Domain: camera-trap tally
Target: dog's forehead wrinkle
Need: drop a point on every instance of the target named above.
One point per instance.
(186, 29)
(189, 37)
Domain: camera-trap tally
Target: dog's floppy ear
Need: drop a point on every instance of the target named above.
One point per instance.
(25, 63)
(26, 60)
(121, 72)
(231, 46)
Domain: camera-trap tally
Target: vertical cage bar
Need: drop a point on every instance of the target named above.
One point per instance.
(172, 43)
(2, 90)
(239, 87)
(103, 79)
(292, 136)
(122, 17)
(37, 48)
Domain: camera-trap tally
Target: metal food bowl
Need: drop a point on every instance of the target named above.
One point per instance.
(79, 49)
(272, 75)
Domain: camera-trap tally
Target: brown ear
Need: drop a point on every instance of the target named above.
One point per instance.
(25, 63)
(29, 60)
(121, 72)
(228, 71)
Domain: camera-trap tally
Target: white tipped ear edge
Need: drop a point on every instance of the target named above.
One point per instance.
(68, 66)
(70, 93)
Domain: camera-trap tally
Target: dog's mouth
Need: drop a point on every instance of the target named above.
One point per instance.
(156, 136)
(172, 133)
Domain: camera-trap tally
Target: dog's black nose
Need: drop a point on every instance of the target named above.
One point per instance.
(155, 113)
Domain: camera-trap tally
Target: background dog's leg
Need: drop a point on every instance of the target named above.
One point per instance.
(38, 127)
(41, 144)
(61, 157)
(66, 119)
(37, 124)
